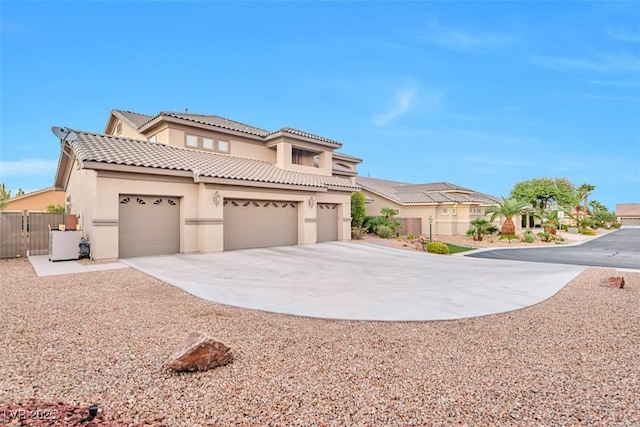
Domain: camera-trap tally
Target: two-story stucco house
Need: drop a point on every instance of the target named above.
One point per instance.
(184, 183)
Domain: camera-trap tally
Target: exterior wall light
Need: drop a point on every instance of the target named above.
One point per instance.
(312, 201)
(216, 198)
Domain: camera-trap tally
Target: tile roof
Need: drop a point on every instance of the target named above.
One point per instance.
(214, 121)
(292, 131)
(124, 151)
(225, 123)
(628, 209)
(339, 169)
(439, 192)
(342, 156)
(134, 119)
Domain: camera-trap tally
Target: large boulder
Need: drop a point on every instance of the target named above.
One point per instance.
(613, 282)
(200, 352)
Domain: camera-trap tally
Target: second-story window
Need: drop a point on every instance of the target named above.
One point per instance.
(191, 141)
(206, 143)
(296, 156)
(153, 139)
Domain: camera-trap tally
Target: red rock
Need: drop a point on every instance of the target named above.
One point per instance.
(200, 353)
(613, 282)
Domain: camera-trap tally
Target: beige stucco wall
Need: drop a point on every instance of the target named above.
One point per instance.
(95, 197)
(36, 202)
(238, 146)
(81, 190)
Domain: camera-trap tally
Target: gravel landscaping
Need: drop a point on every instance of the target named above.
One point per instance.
(102, 338)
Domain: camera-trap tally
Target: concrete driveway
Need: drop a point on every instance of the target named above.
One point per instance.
(359, 281)
(618, 249)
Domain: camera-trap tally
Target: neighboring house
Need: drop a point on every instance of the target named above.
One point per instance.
(36, 201)
(628, 213)
(185, 183)
(450, 207)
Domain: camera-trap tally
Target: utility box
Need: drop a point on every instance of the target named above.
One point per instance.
(64, 245)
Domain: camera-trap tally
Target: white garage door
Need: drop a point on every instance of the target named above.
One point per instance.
(148, 225)
(327, 222)
(630, 221)
(259, 224)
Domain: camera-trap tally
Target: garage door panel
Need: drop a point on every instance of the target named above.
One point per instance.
(259, 224)
(629, 221)
(327, 222)
(148, 225)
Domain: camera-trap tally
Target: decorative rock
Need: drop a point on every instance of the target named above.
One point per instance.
(200, 353)
(613, 282)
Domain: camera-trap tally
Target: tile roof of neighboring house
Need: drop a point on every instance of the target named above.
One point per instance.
(628, 209)
(124, 151)
(439, 192)
(134, 119)
(342, 156)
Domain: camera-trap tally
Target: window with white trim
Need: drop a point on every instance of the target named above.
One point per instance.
(153, 139)
(191, 141)
(208, 143)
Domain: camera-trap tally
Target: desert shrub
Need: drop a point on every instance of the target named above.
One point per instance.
(545, 237)
(472, 232)
(565, 227)
(509, 237)
(559, 239)
(587, 231)
(371, 222)
(412, 237)
(437, 248)
(384, 231)
(528, 236)
(491, 229)
(358, 232)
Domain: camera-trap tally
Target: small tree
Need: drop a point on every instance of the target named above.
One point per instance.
(508, 208)
(4, 195)
(358, 210)
(55, 209)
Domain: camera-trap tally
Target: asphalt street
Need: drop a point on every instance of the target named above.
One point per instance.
(619, 249)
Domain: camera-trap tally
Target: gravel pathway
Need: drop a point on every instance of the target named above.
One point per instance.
(102, 337)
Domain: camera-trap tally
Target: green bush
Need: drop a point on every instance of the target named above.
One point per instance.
(491, 229)
(471, 231)
(357, 209)
(587, 231)
(565, 227)
(559, 239)
(509, 237)
(384, 231)
(545, 237)
(528, 236)
(437, 248)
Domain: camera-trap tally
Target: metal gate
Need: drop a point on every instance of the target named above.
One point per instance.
(26, 231)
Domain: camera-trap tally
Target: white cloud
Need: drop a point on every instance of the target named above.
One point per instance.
(603, 63)
(623, 35)
(404, 101)
(611, 98)
(26, 167)
(457, 39)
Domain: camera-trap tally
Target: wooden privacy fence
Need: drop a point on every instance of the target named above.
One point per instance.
(22, 232)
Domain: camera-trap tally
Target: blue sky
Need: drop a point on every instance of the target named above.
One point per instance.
(480, 94)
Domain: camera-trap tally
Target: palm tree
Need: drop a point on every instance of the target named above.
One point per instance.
(508, 208)
(582, 193)
(480, 225)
